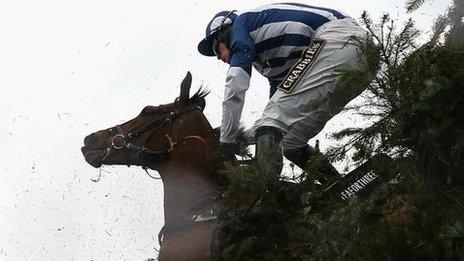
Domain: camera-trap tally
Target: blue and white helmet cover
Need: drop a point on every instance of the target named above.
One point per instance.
(205, 46)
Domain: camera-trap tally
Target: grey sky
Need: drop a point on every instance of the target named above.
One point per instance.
(69, 68)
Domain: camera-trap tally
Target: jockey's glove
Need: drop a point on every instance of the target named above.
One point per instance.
(227, 151)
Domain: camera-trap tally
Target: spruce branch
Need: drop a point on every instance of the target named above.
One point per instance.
(413, 5)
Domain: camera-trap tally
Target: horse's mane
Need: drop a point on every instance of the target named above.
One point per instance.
(198, 96)
(196, 99)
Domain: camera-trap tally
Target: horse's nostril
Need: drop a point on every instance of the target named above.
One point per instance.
(93, 141)
(94, 157)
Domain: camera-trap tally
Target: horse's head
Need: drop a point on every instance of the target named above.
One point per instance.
(148, 139)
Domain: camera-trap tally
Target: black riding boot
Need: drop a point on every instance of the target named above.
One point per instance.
(301, 156)
(268, 153)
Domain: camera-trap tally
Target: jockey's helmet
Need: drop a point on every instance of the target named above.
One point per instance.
(221, 21)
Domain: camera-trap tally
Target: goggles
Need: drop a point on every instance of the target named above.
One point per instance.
(219, 29)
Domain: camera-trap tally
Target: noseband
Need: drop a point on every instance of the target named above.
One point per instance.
(146, 155)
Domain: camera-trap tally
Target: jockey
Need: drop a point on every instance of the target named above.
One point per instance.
(300, 49)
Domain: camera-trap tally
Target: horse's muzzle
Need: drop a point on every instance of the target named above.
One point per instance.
(94, 157)
(94, 150)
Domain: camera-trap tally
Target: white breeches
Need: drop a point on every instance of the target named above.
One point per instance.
(317, 96)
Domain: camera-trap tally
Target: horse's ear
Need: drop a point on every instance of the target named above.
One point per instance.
(185, 87)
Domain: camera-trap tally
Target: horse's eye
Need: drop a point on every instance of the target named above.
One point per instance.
(147, 110)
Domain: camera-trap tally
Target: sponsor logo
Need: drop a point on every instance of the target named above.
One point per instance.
(307, 59)
(359, 185)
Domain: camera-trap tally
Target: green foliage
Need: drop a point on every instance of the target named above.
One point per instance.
(263, 215)
(455, 36)
(415, 99)
(272, 219)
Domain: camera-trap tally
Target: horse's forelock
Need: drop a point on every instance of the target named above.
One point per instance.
(199, 97)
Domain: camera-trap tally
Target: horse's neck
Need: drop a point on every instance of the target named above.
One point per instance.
(187, 178)
(186, 189)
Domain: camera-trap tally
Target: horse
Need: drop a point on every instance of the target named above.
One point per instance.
(176, 140)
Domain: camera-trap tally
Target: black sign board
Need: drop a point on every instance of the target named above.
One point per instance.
(362, 181)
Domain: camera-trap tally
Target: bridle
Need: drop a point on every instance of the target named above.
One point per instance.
(147, 157)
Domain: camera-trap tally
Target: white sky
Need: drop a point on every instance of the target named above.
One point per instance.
(69, 68)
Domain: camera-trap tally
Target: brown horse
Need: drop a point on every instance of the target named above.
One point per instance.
(177, 140)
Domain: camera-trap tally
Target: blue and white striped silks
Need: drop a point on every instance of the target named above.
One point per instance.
(270, 38)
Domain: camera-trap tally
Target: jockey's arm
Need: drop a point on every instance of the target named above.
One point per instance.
(237, 83)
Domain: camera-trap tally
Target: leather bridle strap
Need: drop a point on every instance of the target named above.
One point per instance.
(121, 140)
(160, 122)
